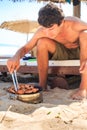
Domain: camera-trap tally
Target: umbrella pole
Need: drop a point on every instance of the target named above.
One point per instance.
(27, 38)
(31, 52)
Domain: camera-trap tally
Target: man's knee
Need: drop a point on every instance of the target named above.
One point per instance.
(42, 43)
(47, 45)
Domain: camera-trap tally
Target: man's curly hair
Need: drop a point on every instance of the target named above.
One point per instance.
(49, 15)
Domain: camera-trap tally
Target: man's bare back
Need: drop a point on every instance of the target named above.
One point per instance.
(69, 33)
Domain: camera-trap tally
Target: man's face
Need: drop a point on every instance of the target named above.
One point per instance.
(51, 32)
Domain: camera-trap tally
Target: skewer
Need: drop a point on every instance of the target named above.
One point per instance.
(15, 81)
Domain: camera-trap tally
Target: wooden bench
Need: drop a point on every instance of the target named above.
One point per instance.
(58, 68)
(69, 67)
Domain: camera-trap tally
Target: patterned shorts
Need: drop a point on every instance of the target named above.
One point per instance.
(63, 53)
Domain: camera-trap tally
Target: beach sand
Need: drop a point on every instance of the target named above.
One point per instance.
(57, 111)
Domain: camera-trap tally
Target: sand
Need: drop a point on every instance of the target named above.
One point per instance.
(57, 111)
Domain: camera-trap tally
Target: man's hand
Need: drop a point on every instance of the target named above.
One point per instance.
(83, 67)
(13, 64)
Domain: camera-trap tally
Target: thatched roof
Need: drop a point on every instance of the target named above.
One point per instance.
(61, 1)
(57, 1)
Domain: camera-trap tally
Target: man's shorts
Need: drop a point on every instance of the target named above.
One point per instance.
(63, 53)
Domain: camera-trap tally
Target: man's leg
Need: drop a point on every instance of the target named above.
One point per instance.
(82, 91)
(44, 47)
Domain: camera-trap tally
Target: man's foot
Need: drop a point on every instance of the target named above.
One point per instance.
(79, 95)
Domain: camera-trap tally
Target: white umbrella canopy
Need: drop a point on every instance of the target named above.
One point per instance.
(22, 26)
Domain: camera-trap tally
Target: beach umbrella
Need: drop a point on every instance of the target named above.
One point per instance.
(22, 26)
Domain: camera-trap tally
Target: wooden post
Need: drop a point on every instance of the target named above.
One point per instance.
(77, 8)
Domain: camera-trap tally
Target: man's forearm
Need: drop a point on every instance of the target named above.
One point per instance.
(20, 53)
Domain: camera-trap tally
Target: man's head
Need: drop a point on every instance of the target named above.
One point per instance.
(49, 15)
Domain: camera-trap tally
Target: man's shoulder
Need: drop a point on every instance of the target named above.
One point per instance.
(76, 23)
(72, 19)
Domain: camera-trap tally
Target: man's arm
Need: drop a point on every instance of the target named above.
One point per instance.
(25, 49)
(31, 44)
(83, 51)
(14, 62)
(79, 25)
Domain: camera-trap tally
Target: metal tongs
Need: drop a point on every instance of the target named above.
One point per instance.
(15, 81)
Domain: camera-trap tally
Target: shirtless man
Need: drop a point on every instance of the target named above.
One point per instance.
(58, 38)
